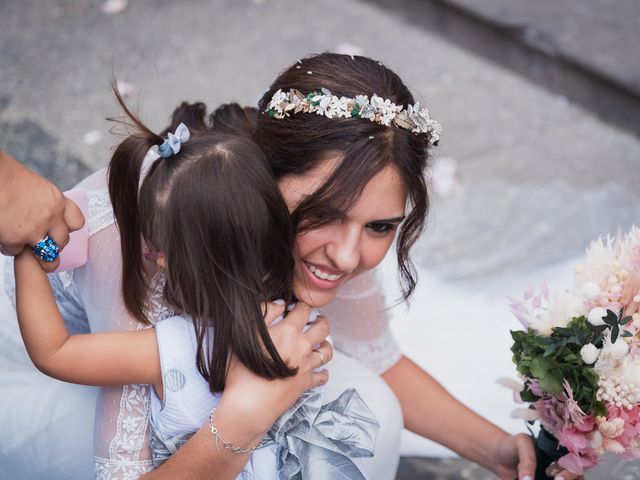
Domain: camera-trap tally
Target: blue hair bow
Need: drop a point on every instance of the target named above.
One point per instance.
(171, 145)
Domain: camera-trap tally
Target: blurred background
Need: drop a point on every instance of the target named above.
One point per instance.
(540, 104)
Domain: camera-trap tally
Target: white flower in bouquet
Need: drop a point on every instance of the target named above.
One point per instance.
(541, 321)
(589, 353)
(611, 354)
(600, 264)
(565, 306)
(630, 251)
(591, 291)
(629, 371)
(596, 316)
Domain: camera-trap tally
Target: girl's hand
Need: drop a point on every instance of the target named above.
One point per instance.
(515, 458)
(262, 401)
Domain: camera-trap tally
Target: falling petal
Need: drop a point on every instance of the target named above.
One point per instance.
(92, 137)
(349, 49)
(113, 7)
(444, 176)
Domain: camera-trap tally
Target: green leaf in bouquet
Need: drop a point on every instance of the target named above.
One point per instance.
(598, 341)
(615, 331)
(528, 396)
(611, 319)
(625, 320)
(600, 409)
(547, 373)
(626, 334)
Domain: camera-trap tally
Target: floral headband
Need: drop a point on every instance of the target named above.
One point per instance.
(377, 109)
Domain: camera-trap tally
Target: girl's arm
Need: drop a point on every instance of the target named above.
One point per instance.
(114, 358)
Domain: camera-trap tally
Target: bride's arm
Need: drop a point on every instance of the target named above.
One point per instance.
(432, 412)
(360, 328)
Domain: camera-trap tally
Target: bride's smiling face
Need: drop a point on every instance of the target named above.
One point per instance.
(328, 256)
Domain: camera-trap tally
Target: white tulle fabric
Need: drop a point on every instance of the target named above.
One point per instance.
(359, 328)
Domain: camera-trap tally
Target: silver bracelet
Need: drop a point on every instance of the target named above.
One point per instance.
(229, 445)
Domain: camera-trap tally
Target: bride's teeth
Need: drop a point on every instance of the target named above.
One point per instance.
(323, 275)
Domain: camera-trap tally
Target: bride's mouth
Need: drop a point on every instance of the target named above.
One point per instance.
(321, 277)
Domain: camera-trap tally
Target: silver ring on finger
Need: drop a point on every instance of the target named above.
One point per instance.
(321, 356)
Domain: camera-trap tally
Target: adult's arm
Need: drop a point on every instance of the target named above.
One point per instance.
(360, 328)
(32, 207)
(432, 412)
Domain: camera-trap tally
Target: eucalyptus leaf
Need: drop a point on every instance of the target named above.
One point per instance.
(626, 334)
(615, 331)
(625, 320)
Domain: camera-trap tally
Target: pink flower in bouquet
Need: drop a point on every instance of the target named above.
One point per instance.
(551, 412)
(589, 336)
(577, 464)
(573, 440)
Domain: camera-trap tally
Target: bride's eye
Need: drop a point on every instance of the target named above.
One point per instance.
(381, 228)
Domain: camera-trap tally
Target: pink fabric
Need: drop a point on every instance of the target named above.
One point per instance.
(74, 254)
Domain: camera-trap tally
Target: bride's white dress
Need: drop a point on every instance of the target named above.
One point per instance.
(485, 242)
(53, 430)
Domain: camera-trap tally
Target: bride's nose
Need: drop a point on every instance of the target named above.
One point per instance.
(344, 249)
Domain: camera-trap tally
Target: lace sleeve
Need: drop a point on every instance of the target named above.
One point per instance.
(121, 430)
(360, 323)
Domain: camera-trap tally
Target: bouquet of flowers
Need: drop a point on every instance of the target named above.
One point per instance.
(579, 359)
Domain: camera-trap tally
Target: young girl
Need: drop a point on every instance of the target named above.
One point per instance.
(209, 215)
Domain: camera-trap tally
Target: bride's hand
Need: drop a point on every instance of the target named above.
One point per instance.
(262, 400)
(515, 457)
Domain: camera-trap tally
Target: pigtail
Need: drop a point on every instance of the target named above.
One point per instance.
(231, 118)
(193, 115)
(123, 182)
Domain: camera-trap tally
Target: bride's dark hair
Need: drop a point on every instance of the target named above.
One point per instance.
(216, 215)
(297, 144)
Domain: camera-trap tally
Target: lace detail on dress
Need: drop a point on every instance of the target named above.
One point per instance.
(133, 416)
(107, 469)
(124, 450)
(101, 211)
(379, 354)
(359, 322)
(156, 308)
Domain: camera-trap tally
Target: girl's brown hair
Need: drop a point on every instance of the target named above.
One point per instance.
(215, 213)
(297, 144)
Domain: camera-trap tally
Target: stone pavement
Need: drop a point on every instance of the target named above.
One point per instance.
(58, 58)
(585, 50)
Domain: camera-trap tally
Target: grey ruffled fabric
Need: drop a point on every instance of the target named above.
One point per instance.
(319, 442)
(312, 441)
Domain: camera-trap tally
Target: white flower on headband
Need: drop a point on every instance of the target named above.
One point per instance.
(172, 143)
(378, 110)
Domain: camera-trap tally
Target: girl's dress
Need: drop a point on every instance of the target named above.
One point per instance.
(55, 430)
(310, 440)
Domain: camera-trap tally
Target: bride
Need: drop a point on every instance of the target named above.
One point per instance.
(346, 181)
